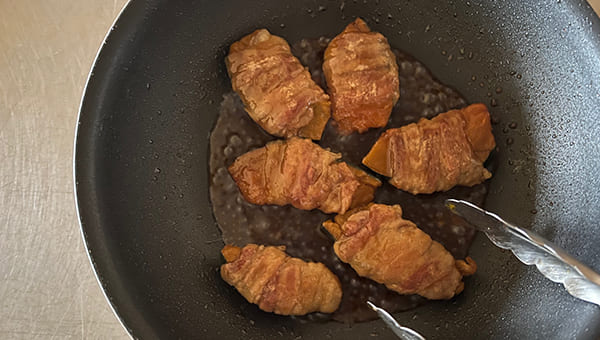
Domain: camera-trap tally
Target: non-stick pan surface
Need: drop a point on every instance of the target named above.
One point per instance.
(153, 97)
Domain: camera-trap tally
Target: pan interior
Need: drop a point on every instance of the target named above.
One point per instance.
(142, 155)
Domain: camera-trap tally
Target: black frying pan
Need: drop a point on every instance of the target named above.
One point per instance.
(142, 143)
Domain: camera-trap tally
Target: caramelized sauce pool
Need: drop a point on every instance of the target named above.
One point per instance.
(300, 231)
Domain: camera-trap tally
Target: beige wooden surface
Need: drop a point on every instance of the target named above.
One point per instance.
(595, 5)
(47, 287)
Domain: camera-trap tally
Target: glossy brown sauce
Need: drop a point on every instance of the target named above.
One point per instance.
(241, 222)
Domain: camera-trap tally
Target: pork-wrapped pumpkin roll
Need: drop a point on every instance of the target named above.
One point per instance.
(362, 77)
(301, 173)
(379, 244)
(278, 283)
(437, 154)
(278, 92)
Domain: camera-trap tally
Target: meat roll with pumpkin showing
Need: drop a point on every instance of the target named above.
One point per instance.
(277, 91)
(362, 77)
(379, 244)
(278, 283)
(301, 173)
(437, 154)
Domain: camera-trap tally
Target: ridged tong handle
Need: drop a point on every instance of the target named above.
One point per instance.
(532, 249)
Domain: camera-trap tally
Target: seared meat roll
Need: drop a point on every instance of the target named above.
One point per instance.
(382, 246)
(278, 283)
(437, 154)
(301, 173)
(362, 76)
(278, 92)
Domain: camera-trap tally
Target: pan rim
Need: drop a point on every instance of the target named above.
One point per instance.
(88, 253)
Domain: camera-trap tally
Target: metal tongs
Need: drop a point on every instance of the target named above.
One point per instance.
(530, 248)
(401, 332)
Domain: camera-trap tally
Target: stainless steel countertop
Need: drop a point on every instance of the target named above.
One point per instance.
(47, 287)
